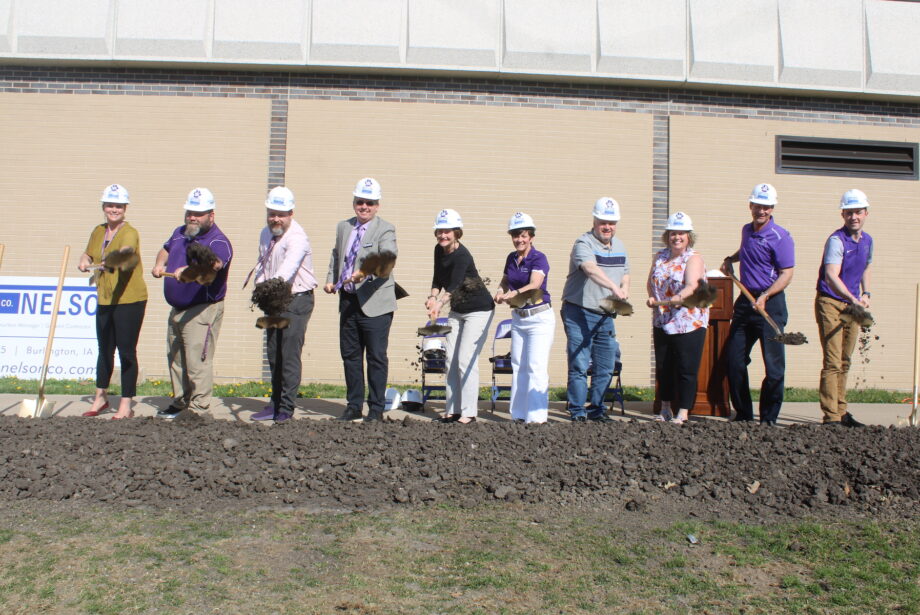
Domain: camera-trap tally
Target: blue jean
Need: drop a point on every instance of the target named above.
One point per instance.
(591, 340)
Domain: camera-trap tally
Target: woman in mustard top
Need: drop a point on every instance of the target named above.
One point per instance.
(122, 301)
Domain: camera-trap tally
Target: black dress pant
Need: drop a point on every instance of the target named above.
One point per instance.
(119, 326)
(677, 361)
(360, 334)
(284, 348)
(747, 328)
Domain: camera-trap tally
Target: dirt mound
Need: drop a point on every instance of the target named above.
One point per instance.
(708, 468)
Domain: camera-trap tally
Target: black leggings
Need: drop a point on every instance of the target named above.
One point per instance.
(677, 361)
(119, 326)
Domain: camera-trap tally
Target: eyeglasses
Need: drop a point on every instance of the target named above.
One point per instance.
(366, 202)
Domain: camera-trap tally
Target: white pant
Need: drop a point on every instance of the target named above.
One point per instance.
(468, 335)
(531, 340)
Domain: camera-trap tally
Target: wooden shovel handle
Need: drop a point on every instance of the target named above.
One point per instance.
(753, 301)
(54, 317)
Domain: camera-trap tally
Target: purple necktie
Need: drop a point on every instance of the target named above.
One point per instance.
(349, 266)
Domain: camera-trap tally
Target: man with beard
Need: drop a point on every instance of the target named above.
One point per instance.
(285, 253)
(197, 309)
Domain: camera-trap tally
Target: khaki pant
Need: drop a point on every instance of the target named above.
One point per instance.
(838, 339)
(191, 340)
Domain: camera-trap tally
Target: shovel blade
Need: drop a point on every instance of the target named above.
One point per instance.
(35, 408)
(433, 330)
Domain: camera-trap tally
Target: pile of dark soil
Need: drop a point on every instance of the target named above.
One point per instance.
(708, 468)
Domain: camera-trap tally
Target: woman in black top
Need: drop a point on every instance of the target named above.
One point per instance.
(456, 281)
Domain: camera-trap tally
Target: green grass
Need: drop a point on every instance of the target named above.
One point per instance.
(162, 388)
(450, 560)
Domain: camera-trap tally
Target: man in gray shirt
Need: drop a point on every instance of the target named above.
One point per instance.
(598, 268)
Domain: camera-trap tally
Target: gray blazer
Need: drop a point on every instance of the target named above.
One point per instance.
(377, 296)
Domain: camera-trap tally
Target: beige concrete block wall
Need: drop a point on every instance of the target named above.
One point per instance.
(487, 163)
(715, 162)
(60, 151)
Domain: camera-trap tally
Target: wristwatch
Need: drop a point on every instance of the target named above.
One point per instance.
(867, 294)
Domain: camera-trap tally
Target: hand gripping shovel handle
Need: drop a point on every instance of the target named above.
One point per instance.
(753, 301)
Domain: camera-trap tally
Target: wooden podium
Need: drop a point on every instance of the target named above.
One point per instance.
(712, 379)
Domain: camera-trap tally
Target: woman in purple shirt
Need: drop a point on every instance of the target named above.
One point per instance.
(532, 326)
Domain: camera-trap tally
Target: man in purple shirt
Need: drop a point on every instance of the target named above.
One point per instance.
(843, 279)
(767, 257)
(197, 310)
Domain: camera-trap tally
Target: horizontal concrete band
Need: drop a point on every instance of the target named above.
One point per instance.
(849, 46)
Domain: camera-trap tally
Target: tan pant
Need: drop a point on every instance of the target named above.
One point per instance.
(191, 340)
(838, 339)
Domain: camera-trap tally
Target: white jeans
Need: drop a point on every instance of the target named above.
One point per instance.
(531, 340)
(468, 335)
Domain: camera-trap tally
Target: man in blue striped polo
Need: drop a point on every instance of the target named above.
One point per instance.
(598, 268)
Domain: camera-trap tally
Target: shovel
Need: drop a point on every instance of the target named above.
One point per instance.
(702, 297)
(124, 259)
(615, 305)
(202, 274)
(858, 314)
(432, 328)
(790, 339)
(40, 407)
(379, 264)
(272, 322)
(526, 298)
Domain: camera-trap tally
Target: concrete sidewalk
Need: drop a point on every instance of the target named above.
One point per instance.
(241, 408)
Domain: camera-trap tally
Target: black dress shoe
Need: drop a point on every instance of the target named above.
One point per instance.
(374, 416)
(849, 421)
(450, 418)
(768, 423)
(169, 413)
(351, 414)
(600, 418)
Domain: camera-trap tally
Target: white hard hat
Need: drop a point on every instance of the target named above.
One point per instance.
(412, 400)
(607, 209)
(679, 221)
(368, 188)
(764, 194)
(392, 399)
(199, 199)
(854, 199)
(115, 193)
(280, 199)
(448, 218)
(520, 220)
(433, 343)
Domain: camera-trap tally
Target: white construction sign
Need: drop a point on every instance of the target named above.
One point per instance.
(25, 316)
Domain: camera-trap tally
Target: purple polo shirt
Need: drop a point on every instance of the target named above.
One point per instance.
(853, 258)
(763, 254)
(519, 274)
(184, 295)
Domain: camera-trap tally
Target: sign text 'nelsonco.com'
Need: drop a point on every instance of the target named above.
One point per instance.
(25, 315)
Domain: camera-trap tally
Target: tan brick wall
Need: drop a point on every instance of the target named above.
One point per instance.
(714, 164)
(60, 151)
(486, 162)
